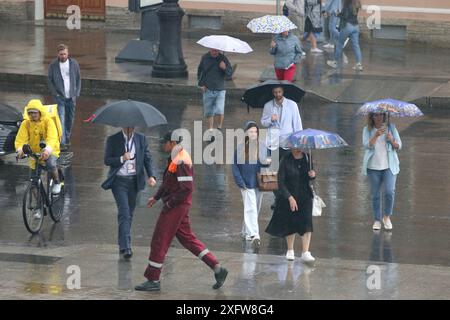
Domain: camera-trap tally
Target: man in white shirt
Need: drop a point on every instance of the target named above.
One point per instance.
(282, 118)
(64, 82)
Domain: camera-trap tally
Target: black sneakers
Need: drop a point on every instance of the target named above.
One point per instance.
(126, 254)
(220, 278)
(149, 286)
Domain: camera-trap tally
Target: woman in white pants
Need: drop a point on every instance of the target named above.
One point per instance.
(245, 166)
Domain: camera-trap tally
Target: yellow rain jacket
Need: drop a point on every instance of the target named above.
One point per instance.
(32, 132)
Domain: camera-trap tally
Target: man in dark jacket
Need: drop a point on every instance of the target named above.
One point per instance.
(128, 156)
(64, 82)
(212, 71)
(176, 194)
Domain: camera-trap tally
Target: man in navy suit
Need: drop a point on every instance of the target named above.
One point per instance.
(127, 156)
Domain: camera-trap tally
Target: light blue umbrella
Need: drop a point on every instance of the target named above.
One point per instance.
(312, 139)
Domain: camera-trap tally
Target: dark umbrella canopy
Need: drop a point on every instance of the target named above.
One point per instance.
(128, 113)
(258, 95)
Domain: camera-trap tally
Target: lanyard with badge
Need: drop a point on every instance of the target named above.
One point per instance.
(130, 165)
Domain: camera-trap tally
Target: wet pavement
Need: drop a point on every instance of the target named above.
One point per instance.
(406, 71)
(414, 258)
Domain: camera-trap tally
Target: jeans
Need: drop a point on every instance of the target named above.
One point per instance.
(382, 180)
(125, 193)
(352, 32)
(66, 112)
(252, 205)
(332, 28)
(213, 103)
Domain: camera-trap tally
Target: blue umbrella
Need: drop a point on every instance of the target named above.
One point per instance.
(392, 107)
(315, 139)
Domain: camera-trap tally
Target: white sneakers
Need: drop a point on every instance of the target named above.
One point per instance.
(376, 225)
(386, 223)
(316, 50)
(358, 67)
(332, 63)
(56, 188)
(329, 46)
(306, 256)
(37, 214)
(290, 255)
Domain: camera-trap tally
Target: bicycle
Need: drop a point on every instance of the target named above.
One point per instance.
(38, 199)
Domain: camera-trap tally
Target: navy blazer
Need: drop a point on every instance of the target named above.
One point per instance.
(115, 148)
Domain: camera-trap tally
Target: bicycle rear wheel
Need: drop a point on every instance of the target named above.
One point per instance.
(33, 208)
(57, 200)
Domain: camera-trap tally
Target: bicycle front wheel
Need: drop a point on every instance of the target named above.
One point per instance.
(33, 208)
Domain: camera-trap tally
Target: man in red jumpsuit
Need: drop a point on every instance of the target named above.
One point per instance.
(176, 194)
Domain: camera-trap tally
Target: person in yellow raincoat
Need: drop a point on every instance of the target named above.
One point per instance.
(37, 127)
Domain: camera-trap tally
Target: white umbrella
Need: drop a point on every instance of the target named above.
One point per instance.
(225, 43)
(271, 24)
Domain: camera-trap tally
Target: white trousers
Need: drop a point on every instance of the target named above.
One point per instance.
(252, 199)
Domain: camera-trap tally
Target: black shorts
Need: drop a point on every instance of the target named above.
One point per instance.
(310, 28)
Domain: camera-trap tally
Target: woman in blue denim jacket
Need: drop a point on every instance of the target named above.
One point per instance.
(248, 160)
(381, 165)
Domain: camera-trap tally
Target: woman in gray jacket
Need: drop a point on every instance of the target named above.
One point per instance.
(287, 51)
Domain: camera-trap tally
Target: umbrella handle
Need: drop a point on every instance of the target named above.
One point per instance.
(92, 117)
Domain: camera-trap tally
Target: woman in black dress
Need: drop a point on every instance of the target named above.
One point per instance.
(293, 209)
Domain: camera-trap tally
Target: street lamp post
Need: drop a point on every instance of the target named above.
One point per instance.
(170, 62)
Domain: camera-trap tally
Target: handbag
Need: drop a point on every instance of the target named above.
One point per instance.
(267, 181)
(318, 204)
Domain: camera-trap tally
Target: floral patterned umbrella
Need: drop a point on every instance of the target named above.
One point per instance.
(310, 139)
(315, 139)
(394, 108)
(271, 24)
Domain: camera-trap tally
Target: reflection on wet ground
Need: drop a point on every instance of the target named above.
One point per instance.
(422, 211)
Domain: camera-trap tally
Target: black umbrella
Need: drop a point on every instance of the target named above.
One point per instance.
(258, 95)
(128, 113)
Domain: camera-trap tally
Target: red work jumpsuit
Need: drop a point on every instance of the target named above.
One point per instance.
(176, 194)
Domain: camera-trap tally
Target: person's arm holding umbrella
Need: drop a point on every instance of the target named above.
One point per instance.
(113, 161)
(225, 66)
(273, 47)
(268, 118)
(394, 138)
